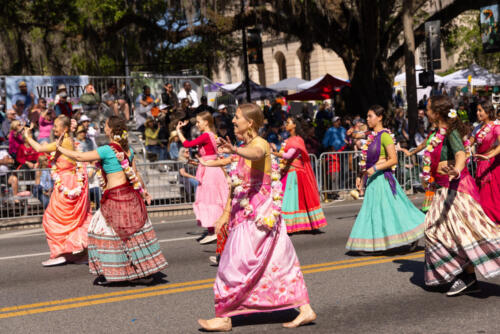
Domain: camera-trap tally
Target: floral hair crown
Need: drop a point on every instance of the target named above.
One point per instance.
(123, 136)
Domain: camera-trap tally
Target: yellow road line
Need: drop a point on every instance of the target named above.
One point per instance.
(119, 296)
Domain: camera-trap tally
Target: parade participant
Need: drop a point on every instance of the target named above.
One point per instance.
(487, 141)
(122, 243)
(301, 204)
(212, 192)
(387, 219)
(259, 270)
(459, 236)
(430, 189)
(67, 216)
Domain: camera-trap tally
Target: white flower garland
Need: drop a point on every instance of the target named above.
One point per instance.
(366, 145)
(80, 178)
(244, 201)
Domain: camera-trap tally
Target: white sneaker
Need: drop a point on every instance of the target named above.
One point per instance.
(213, 260)
(208, 239)
(54, 262)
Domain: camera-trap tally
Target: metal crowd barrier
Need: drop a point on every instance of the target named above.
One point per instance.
(335, 172)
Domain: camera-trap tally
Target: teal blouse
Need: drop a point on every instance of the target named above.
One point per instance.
(109, 162)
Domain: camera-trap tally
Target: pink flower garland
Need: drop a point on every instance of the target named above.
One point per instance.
(435, 141)
(364, 149)
(484, 132)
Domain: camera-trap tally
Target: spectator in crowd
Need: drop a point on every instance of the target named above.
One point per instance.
(164, 122)
(82, 142)
(183, 113)
(273, 136)
(21, 111)
(276, 114)
(204, 106)
(6, 179)
(45, 125)
(144, 103)
(188, 93)
(188, 180)
(38, 109)
(401, 127)
(116, 104)
(152, 143)
(11, 115)
(322, 119)
(15, 138)
(398, 99)
(90, 101)
(224, 119)
(422, 104)
(43, 181)
(174, 145)
(313, 145)
(63, 107)
(462, 112)
(26, 157)
(335, 137)
(169, 98)
(60, 89)
(26, 97)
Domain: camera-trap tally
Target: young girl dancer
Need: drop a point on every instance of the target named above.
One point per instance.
(387, 219)
(212, 192)
(301, 205)
(487, 141)
(122, 243)
(459, 236)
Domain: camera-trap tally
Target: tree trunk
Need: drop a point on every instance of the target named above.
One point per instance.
(369, 85)
(411, 83)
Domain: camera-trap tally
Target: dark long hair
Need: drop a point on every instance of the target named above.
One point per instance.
(299, 129)
(379, 111)
(118, 127)
(441, 106)
(489, 109)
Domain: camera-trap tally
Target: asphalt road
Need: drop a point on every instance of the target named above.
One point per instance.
(351, 294)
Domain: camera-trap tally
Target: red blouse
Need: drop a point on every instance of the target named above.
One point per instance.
(204, 141)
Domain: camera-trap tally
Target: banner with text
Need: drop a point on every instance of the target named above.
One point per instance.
(46, 87)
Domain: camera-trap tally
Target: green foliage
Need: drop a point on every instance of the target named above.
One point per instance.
(463, 36)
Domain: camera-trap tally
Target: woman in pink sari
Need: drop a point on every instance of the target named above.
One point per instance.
(212, 192)
(68, 215)
(459, 236)
(487, 141)
(259, 270)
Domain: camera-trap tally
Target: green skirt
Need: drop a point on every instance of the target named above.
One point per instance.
(385, 220)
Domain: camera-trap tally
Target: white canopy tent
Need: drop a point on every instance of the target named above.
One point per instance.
(400, 79)
(232, 86)
(288, 84)
(479, 77)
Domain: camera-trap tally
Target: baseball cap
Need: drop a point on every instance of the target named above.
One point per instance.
(336, 118)
(84, 118)
(222, 106)
(22, 83)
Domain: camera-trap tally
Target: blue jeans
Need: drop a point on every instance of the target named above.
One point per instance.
(38, 193)
(190, 185)
(158, 150)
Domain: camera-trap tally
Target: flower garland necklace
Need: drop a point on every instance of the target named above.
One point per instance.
(127, 169)
(435, 141)
(366, 145)
(484, 131)
(80, 177)
(241, 190)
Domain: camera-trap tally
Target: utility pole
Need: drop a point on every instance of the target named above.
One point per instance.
(411, 81)
(245, 57)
